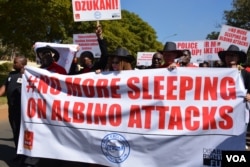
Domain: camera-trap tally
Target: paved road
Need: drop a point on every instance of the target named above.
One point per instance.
(7, 151)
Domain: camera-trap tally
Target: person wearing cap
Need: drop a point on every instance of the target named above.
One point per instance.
(120, 60)
(86, 58)
(45, 55)
(170, 54)
(232, 58)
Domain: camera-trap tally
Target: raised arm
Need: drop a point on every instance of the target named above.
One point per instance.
(101, 64)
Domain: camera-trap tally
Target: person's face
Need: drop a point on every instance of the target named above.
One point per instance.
(218, 63)
(231, 60)
(46, 59)
(205, 65)
(17, 64)
(157, 60)
(86, 61)
(185, 58)
(169, 57)
(115, 63)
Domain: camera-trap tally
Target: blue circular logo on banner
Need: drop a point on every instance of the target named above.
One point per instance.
(97, 15)
(115, 147)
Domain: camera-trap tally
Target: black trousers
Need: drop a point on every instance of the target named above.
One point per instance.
(15, 121)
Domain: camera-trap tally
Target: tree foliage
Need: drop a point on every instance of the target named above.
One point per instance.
(239, 16)
(52, 21)
(213, 35)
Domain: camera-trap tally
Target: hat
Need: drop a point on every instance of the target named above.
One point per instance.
(55, 53)
(233, 49)
(124, 53)
(87, 54)
(171, 47)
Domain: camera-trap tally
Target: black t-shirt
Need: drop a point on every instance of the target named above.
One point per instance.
(246, 78)
(13, 85)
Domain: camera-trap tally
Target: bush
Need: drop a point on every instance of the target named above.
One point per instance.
(2, 78)
(6, 67)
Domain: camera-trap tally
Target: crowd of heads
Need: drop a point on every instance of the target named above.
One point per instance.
(232, 57)
(121, 59)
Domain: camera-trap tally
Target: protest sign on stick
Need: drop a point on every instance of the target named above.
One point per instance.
(91, 10)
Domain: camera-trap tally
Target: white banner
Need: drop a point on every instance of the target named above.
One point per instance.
(150, 118)
(91, 10)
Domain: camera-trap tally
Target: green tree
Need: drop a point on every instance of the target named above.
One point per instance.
(29, 21)
(239, 16)
(130, 32)
(213, 35)
(52, 21)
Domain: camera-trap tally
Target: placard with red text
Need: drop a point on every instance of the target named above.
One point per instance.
(91, 10)
(211, 49)
(87, 42)
(195, 47)
(233, 35)
(144, 58)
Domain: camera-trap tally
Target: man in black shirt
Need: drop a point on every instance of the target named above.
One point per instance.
(12, 88)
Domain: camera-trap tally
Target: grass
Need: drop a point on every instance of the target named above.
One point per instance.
(3, 100)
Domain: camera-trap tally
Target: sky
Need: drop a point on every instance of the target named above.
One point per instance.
(180, 20)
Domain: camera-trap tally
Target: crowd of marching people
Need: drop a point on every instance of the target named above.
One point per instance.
(121, 59)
